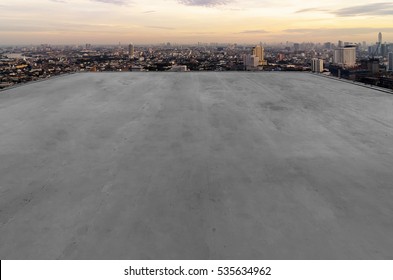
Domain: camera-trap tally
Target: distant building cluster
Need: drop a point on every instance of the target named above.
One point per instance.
(371, 64)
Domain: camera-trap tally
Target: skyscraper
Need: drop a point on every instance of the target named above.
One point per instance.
(327, 45)
(251, 62)
(380, 38)
(383, 50)
(317, 65)
(390, 62)
(131, 51)
(345, 56)
(259, 52)
(364, 45)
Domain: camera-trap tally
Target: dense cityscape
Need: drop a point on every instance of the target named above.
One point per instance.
(362, 62)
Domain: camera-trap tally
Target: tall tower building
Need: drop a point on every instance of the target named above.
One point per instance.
(345, 56)
(390, 61)
(131, 51)
(383, 50)
(259, 52)
(364, 45)
(317, 65)
(250, 62)
(380, 38)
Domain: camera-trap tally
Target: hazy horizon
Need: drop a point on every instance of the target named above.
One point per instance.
(107, 22)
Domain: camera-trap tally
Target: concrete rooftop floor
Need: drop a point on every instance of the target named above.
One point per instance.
(195, 166)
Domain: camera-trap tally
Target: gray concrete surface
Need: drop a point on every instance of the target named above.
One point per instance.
(196, 166)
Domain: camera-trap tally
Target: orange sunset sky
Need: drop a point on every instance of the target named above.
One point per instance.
(191, 21)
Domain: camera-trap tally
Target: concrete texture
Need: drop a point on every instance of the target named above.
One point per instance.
(196, 166)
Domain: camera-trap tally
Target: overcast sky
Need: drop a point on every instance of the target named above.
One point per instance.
(191, 21)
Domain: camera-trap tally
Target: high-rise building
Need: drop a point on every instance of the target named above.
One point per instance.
(327, 45)
(345, 56)
(259, 52)
(383, 51)
(251, 62)
(390, 61)
(340, 44)
(131, 50)
(317, 65)
(390, 47)
(380, 38)
(373, 65)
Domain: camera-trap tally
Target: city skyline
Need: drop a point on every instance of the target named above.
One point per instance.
(190, 21)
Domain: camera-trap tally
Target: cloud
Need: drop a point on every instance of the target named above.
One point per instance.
(311, 10)
(148, 12)
(160, 27)
(370, 9)
(299, 30)
(201, 33)
(257, 31)
(61, 27)
(204, 3)
(58, 1)
(375, 9)
(338, 31)
(115, 2)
